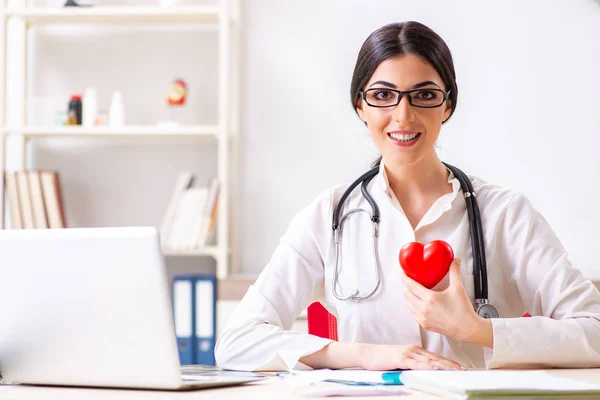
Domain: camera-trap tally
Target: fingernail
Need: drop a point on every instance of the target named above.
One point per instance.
(458, 261)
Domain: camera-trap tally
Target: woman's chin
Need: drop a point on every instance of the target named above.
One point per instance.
(402, 160)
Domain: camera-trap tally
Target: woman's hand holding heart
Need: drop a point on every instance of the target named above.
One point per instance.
(448, 312)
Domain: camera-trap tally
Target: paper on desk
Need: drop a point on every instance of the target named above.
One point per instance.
(324, 389)
(465, 384)
(328, 383)
(298, 377)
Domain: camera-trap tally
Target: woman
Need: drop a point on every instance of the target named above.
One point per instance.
(404, 89)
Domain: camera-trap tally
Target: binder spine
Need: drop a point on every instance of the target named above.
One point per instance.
(183, 313)
(205, 319)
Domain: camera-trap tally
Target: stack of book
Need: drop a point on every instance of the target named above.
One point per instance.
(190, 220)
(35, 200)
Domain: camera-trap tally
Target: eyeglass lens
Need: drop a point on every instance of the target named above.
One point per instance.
(419, 98)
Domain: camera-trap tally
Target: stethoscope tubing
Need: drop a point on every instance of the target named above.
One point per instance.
(367, 176)
(477, 241)
(337, 230)
(355, 296)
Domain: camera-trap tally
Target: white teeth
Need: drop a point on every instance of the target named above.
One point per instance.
(404, 138)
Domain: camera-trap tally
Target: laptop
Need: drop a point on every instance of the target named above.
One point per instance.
(92, 307)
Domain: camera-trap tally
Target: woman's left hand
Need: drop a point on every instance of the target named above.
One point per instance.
(448, 312)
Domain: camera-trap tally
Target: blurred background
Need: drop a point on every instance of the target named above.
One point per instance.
(528, 114)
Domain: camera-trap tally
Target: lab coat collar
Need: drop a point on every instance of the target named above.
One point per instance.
(442, 205)
(382, 179)
(384, 184)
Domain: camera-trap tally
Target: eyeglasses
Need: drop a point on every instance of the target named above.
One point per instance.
(422, 98)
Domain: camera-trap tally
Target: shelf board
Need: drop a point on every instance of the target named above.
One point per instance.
(211, 251)
(125, 131)
(234, 287)
(149, 15)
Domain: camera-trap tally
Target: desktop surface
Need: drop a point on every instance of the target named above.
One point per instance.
(267, 389)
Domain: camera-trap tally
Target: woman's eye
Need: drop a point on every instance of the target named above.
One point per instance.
(383, 94)
(427, 95)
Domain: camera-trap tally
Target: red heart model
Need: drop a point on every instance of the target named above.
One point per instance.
(426, 264)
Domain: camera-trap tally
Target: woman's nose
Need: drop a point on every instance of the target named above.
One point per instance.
(404, 111)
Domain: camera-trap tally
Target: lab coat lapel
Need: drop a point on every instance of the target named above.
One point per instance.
(394, 232)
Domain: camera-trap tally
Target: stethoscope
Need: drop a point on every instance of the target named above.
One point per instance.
(482, 306)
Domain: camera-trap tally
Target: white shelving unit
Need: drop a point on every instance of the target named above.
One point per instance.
(15, 134)
(176, 15)
(30, 132)
(212, 251)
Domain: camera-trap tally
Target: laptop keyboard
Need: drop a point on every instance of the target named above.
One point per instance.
(200, 370)
(209, 373)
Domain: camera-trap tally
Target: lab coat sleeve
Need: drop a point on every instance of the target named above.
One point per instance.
(564, 330)
(258, 336)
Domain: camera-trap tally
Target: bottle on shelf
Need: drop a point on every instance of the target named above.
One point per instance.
(90, 107)
(74, 110)
(116, 117)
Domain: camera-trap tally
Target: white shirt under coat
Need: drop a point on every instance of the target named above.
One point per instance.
(528, 271)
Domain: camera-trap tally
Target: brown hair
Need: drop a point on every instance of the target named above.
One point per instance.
(399, 39)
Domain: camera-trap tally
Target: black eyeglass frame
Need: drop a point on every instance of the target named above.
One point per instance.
(446, 95)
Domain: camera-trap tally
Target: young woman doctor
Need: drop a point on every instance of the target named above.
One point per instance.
(404, 89)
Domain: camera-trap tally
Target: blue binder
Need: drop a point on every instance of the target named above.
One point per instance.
(183, 314)
(205, 309)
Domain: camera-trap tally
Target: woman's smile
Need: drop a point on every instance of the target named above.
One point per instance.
(404, 138)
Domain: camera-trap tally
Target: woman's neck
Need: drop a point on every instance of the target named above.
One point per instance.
(416, 184)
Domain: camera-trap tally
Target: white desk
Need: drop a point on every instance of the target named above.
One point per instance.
(273, 388)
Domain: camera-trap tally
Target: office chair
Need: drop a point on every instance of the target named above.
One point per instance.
(320, 322)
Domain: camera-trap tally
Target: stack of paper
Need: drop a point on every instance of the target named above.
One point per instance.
(357, 377)
(345, 382)
(484, 384)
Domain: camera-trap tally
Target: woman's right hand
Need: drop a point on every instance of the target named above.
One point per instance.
(383, 357)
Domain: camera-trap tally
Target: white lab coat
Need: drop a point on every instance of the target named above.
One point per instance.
(528, 271)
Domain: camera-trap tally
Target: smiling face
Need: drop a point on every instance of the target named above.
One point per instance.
(404, 134)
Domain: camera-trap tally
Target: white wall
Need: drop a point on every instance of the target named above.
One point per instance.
(528, 114)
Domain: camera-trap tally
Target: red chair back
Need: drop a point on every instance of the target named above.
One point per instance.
(321, 323)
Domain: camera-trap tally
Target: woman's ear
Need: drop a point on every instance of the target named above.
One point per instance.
(447, 111)
(360, 111)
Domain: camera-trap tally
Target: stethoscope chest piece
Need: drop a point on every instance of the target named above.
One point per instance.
(487, 311)
(482, 306)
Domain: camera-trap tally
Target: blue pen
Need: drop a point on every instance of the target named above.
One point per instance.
(392, 378)
(352, 383)
(389, 378)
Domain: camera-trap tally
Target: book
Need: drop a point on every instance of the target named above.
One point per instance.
(212, 229)
(14, 205)
(25, 200)
(190, 217)
(183, 314)
(196, 217)
(37, 200)
(187, 217)
(194, 313)
(205, 298)
(53, 199)
(494, 383)
(209, 216)
(184, 181)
